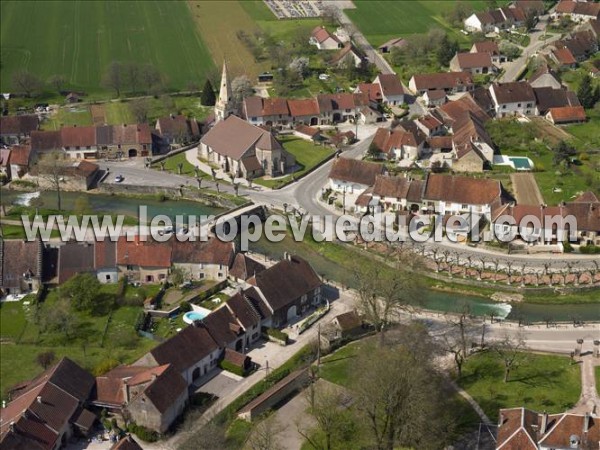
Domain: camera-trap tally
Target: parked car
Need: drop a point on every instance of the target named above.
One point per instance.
(119, 178)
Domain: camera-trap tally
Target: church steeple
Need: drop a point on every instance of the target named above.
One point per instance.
(224, 104)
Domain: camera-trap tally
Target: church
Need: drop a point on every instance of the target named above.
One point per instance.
(240, 148)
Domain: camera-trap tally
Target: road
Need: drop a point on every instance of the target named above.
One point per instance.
(514, 69)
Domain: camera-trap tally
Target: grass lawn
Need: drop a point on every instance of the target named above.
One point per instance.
(172, 165)
(542, 383)
(18, 232)
(335, 367)
(79, 39)
(307, 154)
(381, 20)
(24, 339)
(68, 116)
(588, 133)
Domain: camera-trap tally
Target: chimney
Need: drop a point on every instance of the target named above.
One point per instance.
(153, 376)
(286, 256)
(172, 115)
(11, 427)
(586, 422)
(126, 392)
(39, 399)
(501, 419)
(544, 423)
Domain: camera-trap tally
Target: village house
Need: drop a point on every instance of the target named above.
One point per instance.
(474, 63)
(307, 112)
(452, 111)
(244, 267)
(497, 20)
(491, 48)
(203, 260)
(308, 133)
(403, 144)
(429, 125)
(473, 146)
(228, 331)
(245, 150)
(434, 97)
(324, 40)
(450, 82)
(126, 443)
(352, 175)
(391, 88)
(45, 412)
(529, 430)
(545, 77)
(105, 261)
(20, 158)
(578, 11)
(547, 98)
(192, 352)
(586, 209)
(347, 325)
(20, 266)
(73, 258)
(563, 57)
(14, 129)
(177, 129)
(372, 91)
(267, 111)
(348, 55)
(391, 192)
(289, 288)
(513, 98)
(532, 235)
(152, 397)
(143, 261)
(581, 44)
(446, 194)
(566, 114)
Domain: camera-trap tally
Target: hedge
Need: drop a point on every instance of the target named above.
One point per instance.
(230, 367)
(143, 433)
(589, 249)
(277, 334)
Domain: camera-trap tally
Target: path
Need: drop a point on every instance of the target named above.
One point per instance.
(526, 189)
(589, 400)
(464, 394)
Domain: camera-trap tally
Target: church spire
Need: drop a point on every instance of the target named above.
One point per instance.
(224, 105)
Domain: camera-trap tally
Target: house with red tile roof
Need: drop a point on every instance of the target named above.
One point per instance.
(474, 63)
(513, 98)
(152, 397)
(324, 40)
(387, 47)
(450, 82)
(391, 88)
(14, 129)
(566, 114)
(578, 11)
(352, 175)
(244, 267)
(143, 261)
(127, 443)
(202, 260)
(391, 192)
(4, 163)
(177, 129)
(20, 158)
(490, 47)
(308, 133)
(272, 111)
(563, 57)
(46, 411)
(20, 266)
(349, 54)
(434, 97)
(401, 143)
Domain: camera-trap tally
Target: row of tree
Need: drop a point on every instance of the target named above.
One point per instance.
(134, 78)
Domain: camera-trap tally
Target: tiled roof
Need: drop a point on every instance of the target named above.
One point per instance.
(373, 90)
(127, 443)
(348, 320)
(590, 9)
(415, 191)
(234, 137)
(571, 427)
(390, 84)
(78, 136)
(355, 171)
(429, 122)
(490, 47)
(286, 281)
(587, 215)
(4, 157)
(320, 34)
(474, 60)
(440, 142)
(243, 310)
(513, 92)
(105, 254)
(564, 56)
(222, 326)
(303, 107)
(468, 128)
(145, 254)
(436, 94)
(19, 155)
(554, 98)
(178, 126)
(452, 111)
(463, 190)
(244, 267)
(394, 187)
(308, 131)
(73, 258)
(165, 389)
(18, 125)
(587, 197)
(516, 430)
(45, 140)
(567, 114)
(262, 107)
(19, 257)
(213, 251)
(236, 358)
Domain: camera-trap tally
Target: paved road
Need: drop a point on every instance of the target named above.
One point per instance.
(513, 69)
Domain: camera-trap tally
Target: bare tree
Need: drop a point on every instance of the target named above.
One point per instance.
(57, 82)
(140, 107)
(383, 292)
(211, 436)
(510, 350)
(241, 87)
(132, 74)
(150, 77)
(265, 436)
(113, 77)
(459, 337)
(45, 359)
(51, 167)
(26, 82)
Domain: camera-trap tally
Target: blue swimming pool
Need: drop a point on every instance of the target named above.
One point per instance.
(192, 316)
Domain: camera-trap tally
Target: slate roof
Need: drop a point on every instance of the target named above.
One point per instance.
(355, 171)
(286, 281)
(463, 190)
(18, 125)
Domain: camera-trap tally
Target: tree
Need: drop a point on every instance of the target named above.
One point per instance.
(208, 97)
(563, 152)
(45, 359)
(81, 291)
(26, 82)
(150, 77)
(51, 167)
(530, 20)
(241, 87)
(113, 77)
(446, 50)
(458, 338)
(586, 93)
(511, 51)
(300, 66)
(510, 351)
(399, 397)
(265, 435)
(132, 73)
(177, 276)
(383, 292)
(57, 82)
(460, 12)
(140, 108)
(60, 318)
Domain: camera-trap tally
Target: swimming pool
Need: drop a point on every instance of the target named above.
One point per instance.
(516, 162)
(192, 316)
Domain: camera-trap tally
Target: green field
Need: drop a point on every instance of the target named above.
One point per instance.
(542, 383)
(381, 20)
(78, 39)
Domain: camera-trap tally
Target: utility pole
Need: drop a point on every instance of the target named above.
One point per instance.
(318, 347)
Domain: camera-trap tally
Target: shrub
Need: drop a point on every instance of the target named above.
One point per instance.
(104, 366)
(589, 249)
(185, 306)
(277, 334)
(567, 247)
(230, 367)
(143, 433)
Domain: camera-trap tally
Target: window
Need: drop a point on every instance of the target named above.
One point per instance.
(107, 277)
(503, 106)
(465, 206)
(254, 119)
(77, 147)
(518, 105)
(129, 267)
(161, 276)
(220, 275)
(201, 275)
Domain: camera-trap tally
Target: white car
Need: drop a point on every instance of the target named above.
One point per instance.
(323, 77)
(119, 178)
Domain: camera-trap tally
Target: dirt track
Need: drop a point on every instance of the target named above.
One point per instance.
(526, 189)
